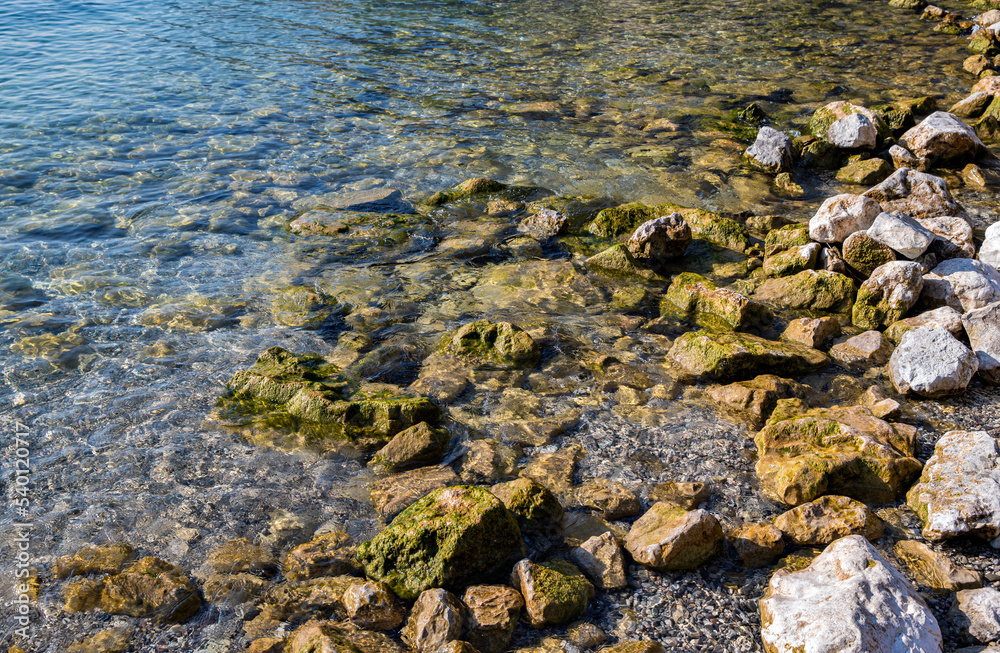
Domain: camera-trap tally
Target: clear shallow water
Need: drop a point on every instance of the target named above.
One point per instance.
(152, 153)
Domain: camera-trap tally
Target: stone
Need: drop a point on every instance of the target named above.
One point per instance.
(787, 186)
(771, 152)
(618, 261)
(536, 509)
(419, 445)
(976, 614)
(692, 296)
(300, 601)
(953, 237)
(757, 545)
(826, 116)
(881, 405)
(554, 592)
(436, 619)
(864, 254)
(375, 200)
(447, 539)
(902, 157)
(853, 131)
(959, 491)
(935, 570)
(233, 589)
(612, 499)
(764, 224)
(395, 493)
(840, 216)
(152, 588)
(804, 454)
(812, 331)
(241, 556)
(670, 538)
(113, 640)
(902, 233)
(865, 173)
(814, 290)
(971, 107)
(493, 346)
(917, 194)
(492, 612)
(371, 605)
(828, 518)
(642, 646)
(945, 317)
(585, 635)
(602, 561)
(554, 470)
(989, 253)
(731, 356)
(792, 261)
(330, 637)
(91, 559)
(754, 400)
(983, 327)
(82, 594)
(468, 188)
(660, 240)
(329, 554)
(849, 600)
(976, 64)
(868, 349)
(931, 363)
(887, 295)
(488, 461)
(687, 496)
(941, 137)
(786, 237)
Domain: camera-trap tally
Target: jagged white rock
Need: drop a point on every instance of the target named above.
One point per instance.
(842, 215)
(931, 363)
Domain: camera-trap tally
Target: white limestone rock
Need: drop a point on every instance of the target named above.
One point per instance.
(961, 283)
(853, 131)
(931, 363)
(771, 152)
(941, 136)
(842, 215)
(989, 253)
(917, 194)
(976, 613)
(983, 327)
(849, 600)
(901, 233)
(952, 237)
(945, 317)
(959, 490)
(902, 157)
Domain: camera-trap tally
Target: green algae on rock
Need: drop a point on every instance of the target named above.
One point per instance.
(468, 188)
(692, 296)
(554, 592)
(450, 538)
(329, 554)
(535, 507)
(804, 454)
(493, 345)
(813, 290)
(151, 587)
(865, 173)
(623, 220)
(617, 260)
(322, 636)
(299, 306)
(308, 397)
(732, 356)
(421, 444)
(669, 537)
(91, 559)
(786, 237)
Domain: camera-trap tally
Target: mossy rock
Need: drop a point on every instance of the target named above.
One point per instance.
(865, 173)
(452, 537)
(804, 454)
(788, 236)
(419, 445)
(874, 310)
(344, 637)
(815, 290)
(91, 559)
(535, 507)
(692, 296)
(618, 261)
(622, 220)
(554, 592)
(791, 261)
(152, 588)
(493, 345)
(823, 155)
(468, 188)
(825, 116)
(732, 356)
(299, 306)
(864, 254)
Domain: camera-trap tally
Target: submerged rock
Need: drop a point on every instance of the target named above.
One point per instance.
(554, 592)
(755, 400)
(421, 444)
(959, 490)
(493, 345)
(91, 559)
(328, 636)
(886, 296)
(934, 569)
(372, 606)
(468, 188)
(668, 537)
(931, 363)
(849, 600)
(828, 518)
(694, 297)
(449, 538)
(543, 226)
(734, 356)
(396, 493)
(617, 260)
(803, 454)
(152, 588)
(329, 554)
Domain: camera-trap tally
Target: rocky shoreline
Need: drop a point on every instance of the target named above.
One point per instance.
(856, 351)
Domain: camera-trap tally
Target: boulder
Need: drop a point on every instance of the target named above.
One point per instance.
(492, 612)
(917, 194)
(840, 216)
(421, 444)
(489, 345)
(828, 518)
(935, 570)
(976, 613)
(886, 296)
(812, 331)
(660, 240)
(866, 172)
(544, 225)
(771, 152)
(371, 605)
(329, 554)
(931, 363)
(668, 537)
(941, 137)
(849, 600)
(554, 592)
(694, 297)
(612, 499)
(814, 290)
(959, 491)
(758, 545)
(902, 233)
(602, 560)
(447, 539)
(945, 317)
(868, 349)
(952, 237)
(983, 327)
(754, 400)
(436, 619)
(853, 131)
(536, 509)
(961, 283)
(972, 106)
(989, 253)
(153, 588)
(864, 254)
(791, 261)
(786, 237)
(825, 116)
(804, 454)
(688, 495)
(730, 356)
(902, 157)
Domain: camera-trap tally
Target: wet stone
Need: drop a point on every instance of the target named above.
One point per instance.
(329, 554)
(418, 445)
(492, 612)
(394, 494)
(828, 518)
(686, 496)
(602, 561)
(487, 461)
(241, 556)
(733, 356)
(757, 544)
(754, 400)
(668, 537)
(815, 290)
(812, 331)
(554, 592)
(535, 507)
(151, 587)
(554, 470)
(91, 559)
(113, 640)
(372, 606)
(322, 636)
(544, 225)
(934, 569)
(612, 499)
(694, 297)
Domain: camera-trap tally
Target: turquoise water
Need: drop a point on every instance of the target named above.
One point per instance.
(152, 154)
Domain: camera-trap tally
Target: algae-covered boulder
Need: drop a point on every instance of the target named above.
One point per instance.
(625, 219)
(153, 588)
(692, 296)
(786, 237)
(333, 637)
(299, 306)
(865, 173)
(754, 400)
(814, 290)
(829, 518)
(736, 356)
(669, 537)
(468, 188)
(886, 296)
(619, 261)
(716, 229)
(451, 537)
(864, 254)
(825, 116)
(329, 554)
(534, 506)
(307, 397)
(792, 261)
(804, 454)
(554, 592)
(421, 444)
(493, 345)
